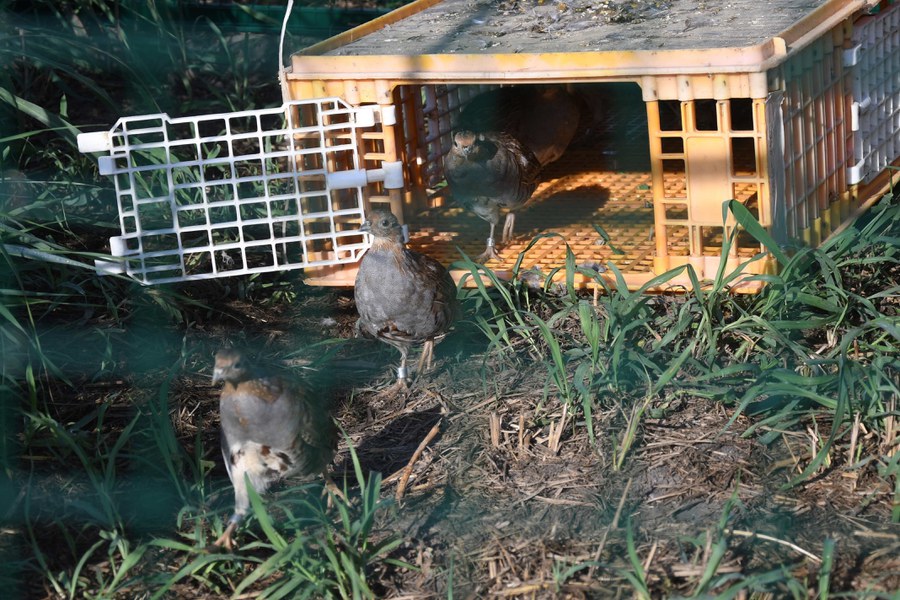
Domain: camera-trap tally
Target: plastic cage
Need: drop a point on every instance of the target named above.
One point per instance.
(796, 115)
(238, 193)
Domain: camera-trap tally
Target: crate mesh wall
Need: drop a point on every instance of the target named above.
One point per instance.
(816, 135)
(237, 193)
(431, 109)
(876, 93)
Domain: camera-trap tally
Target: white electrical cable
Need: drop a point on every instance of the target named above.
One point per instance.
(282, 67)
(284, 22)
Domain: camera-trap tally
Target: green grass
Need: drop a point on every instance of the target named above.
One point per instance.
(312, 552)
(821, 338)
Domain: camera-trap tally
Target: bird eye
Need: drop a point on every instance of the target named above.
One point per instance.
(384, 223)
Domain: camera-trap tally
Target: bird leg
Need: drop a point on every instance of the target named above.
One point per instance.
(427, 358)
(225, 540)
(331, 486)
(508, 227)
(400, 387)
(489, 252)
(402, 373)
(402, 384)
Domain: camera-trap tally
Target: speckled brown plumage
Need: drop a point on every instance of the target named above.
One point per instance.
(487, 171)
(544, 118)
(404, 298)
(270, 430)
(503, 139)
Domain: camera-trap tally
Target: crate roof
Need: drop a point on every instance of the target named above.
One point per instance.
(496, 38)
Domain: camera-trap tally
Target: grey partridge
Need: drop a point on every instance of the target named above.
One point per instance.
(504, 138)
(404, 298)
(487, 171)
(270, 429)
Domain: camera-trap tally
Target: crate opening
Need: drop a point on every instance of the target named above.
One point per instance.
(598, 196)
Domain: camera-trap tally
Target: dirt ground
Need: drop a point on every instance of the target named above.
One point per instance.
(499, 506)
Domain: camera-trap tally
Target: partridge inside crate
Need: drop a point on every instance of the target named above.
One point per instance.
(791, 107)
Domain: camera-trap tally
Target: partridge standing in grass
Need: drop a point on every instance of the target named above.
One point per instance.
(404, 298)
(270, 430)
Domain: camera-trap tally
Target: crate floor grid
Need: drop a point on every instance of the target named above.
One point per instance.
(569, 202)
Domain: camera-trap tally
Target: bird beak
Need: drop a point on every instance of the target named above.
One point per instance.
(366, 227)
(217, 375)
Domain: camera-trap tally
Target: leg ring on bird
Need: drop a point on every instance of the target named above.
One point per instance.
(490, 242)
(401, 372)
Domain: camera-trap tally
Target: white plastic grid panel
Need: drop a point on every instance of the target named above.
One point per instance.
(875, 57)
(238, 193)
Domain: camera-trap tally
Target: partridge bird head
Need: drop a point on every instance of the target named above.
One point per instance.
(384, 225)
(230, 366)
(475, 147)
(464, 141)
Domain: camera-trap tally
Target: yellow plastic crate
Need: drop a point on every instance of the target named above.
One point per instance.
(792, 108)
